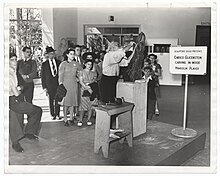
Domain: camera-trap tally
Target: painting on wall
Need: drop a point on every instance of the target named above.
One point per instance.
(162, 48)
(63, 45)
(71, 42)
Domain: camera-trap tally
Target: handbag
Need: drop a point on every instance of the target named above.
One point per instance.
(86, 93)
(61, 93)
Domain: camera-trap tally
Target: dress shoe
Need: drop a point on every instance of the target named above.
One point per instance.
(71, 122)
(58, 117)
(114, 136)
(157, 113)
(79, 123)
(17, 147)
(66, 123)
(89, 122)
(31, 137)
(53, 118)
(116, 130)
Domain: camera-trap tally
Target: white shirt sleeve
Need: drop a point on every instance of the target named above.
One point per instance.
(124, 63)
(117, 56)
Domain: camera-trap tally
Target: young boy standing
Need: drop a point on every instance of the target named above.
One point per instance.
(151, 95)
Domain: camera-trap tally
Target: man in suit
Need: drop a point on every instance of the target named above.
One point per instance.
(27, 68)
(49, 78)
(78, 57)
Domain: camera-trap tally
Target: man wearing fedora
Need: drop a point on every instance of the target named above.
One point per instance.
(49, 78)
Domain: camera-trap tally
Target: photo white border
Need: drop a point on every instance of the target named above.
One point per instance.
(120, 169)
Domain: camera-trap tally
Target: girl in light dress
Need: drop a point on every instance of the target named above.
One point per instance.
(86, 77)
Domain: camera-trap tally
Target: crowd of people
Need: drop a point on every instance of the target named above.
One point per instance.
(84, 79)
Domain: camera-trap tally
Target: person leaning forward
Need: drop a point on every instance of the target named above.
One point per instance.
(17, 108)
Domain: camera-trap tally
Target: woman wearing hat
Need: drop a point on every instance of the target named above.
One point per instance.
(68, 71)
(88, 56)
(157, 73)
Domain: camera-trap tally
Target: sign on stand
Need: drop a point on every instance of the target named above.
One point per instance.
(187, 61)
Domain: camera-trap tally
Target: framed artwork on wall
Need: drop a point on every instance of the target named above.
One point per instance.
(71, 42)
(162, 48)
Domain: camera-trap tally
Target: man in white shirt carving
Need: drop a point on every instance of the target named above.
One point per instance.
(110, 70)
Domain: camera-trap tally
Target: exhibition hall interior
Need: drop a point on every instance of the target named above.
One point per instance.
(122, 106)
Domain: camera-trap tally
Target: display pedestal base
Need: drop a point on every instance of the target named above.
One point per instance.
(184, 133)
(135, 93)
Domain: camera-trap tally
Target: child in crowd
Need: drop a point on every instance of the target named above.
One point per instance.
(157, 69)
(86, 77)
(151, 95)
(83, 50)
(147, 62)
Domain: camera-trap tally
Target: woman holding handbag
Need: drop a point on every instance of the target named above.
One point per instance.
(68, 71)
(86, 77)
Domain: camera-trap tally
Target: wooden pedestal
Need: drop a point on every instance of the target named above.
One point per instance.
(102, 127)
(137, 94)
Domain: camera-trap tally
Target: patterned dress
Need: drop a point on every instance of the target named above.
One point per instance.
(87, 78)
(68, 76)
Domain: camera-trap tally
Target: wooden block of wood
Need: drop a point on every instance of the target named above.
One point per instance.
(135, 93)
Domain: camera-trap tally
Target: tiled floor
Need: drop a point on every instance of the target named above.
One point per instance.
(198, 115)
(59, 145)
(171, 112)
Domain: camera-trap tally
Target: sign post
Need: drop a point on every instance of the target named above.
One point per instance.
(187, 61)
(185, 103)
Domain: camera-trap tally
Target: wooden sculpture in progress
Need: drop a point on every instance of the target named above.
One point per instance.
(134, 69)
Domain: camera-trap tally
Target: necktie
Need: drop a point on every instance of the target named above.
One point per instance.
(54, 68)
(78, 60)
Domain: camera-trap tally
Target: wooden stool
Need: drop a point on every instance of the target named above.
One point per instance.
(102, 128)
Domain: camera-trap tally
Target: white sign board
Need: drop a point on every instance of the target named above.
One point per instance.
(188, 60)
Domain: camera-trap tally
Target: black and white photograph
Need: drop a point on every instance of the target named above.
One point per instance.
(116, 87)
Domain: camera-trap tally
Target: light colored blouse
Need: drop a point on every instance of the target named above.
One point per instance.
(111, 62)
